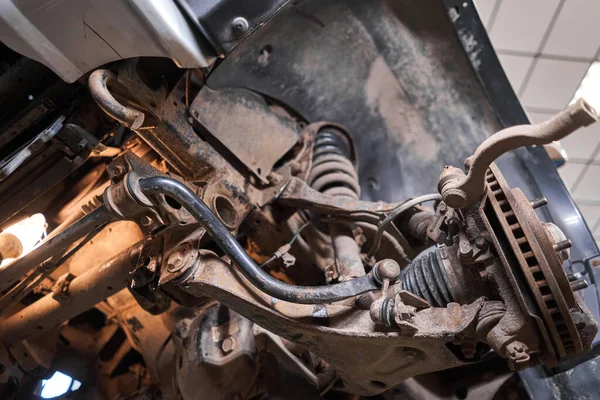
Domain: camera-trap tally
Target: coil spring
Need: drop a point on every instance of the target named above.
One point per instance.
(426, 277)
(332, 172)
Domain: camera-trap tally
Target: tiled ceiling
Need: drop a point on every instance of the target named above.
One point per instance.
(546, 48)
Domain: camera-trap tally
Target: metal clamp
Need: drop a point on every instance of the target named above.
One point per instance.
(60, 291)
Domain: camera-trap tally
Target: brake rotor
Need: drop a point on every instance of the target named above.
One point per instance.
(540, 262)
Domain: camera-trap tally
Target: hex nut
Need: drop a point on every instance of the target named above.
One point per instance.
(228, 345)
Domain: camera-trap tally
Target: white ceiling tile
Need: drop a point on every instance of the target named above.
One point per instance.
(591, 214)
(520, 24)
(588, 188)
(538, 118)
(582, 144)
(485, 9)
(573, 33)
(570, 173)
(553, 83)
(516, 68)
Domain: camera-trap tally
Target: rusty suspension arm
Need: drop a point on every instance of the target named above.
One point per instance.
(83, 293)
(160, 185)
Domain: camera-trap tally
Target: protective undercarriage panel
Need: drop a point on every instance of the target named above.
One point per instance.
(398, 61)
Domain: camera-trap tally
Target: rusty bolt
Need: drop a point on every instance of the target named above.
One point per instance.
(465, 251)
(404, 312)
(228, 345)
(330, 272)
(468, 347)
(116, 171)
(596, 263)
(481, 243)
(518, 351)
(175, 262)
(519, 347)
(181, 258)
(468, 352)
(409, 353)
(146, 221)
(563, 245)
(539, 202)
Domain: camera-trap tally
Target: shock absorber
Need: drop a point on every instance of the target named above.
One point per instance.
(333, 173)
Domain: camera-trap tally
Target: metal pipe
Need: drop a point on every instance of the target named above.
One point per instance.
(83, 293)
(346, 251)
(52, 245)
(27, 285)
(99, 81)
(70, 220)
(263, 281)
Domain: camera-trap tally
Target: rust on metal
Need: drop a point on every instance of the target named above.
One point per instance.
(538, 263)
(463, 190)
(99, 82)
(245, 124)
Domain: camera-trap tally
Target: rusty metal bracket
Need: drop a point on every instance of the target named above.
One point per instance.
(460, 190)
(125, 200)
(33, 355)
(238, 119)
(298, 194)
(384, 355)
(60, 291)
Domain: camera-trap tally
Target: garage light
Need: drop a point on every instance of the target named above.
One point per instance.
(589, 88)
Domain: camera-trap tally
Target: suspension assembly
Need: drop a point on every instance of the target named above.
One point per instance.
(334, 173)
(499, 249)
